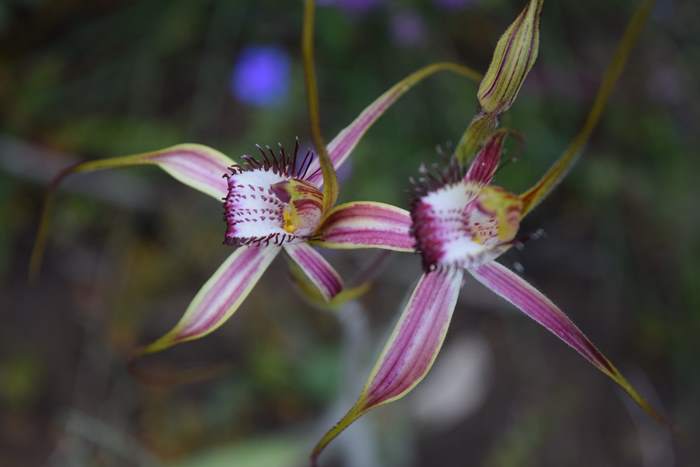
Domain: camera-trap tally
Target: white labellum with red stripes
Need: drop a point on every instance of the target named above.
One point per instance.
(269, 201)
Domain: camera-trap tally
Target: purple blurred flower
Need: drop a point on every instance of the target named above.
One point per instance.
(453, 4)
(261, 75)
(407, 28)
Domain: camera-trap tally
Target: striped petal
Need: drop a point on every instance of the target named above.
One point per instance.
(316, 269)
(366, 225)
(342, 145)
(197, 166)
(530, 301)
(220, 296)
(484, 165)
(411, 349)
(311, 293)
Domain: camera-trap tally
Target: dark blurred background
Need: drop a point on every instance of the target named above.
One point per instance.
(85, 79)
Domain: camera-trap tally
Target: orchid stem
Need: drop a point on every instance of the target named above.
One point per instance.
(330, 181)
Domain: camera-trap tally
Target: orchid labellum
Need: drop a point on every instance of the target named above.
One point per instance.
(461, 224)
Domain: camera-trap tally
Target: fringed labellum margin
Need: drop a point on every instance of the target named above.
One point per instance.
(269, 200)
(458, 220)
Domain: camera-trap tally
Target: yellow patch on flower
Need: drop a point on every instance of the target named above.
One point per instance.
(507, 209)
(304, 208)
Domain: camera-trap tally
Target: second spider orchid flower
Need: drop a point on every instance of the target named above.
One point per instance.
(461, 224)
(277, 201)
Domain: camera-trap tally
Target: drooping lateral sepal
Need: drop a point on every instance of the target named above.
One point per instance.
(534, 304)
(514, 56)
(220, 296)
(411, 349)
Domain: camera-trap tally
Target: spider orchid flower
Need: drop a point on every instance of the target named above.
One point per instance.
(461, 223)
(277, 201)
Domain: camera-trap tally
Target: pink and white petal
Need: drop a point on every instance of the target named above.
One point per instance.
(195, 165)
(342, 145)
(366, 224)
(534, 304)
(220, 296)
(484, 165)
(316, 269)
(411, 349)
